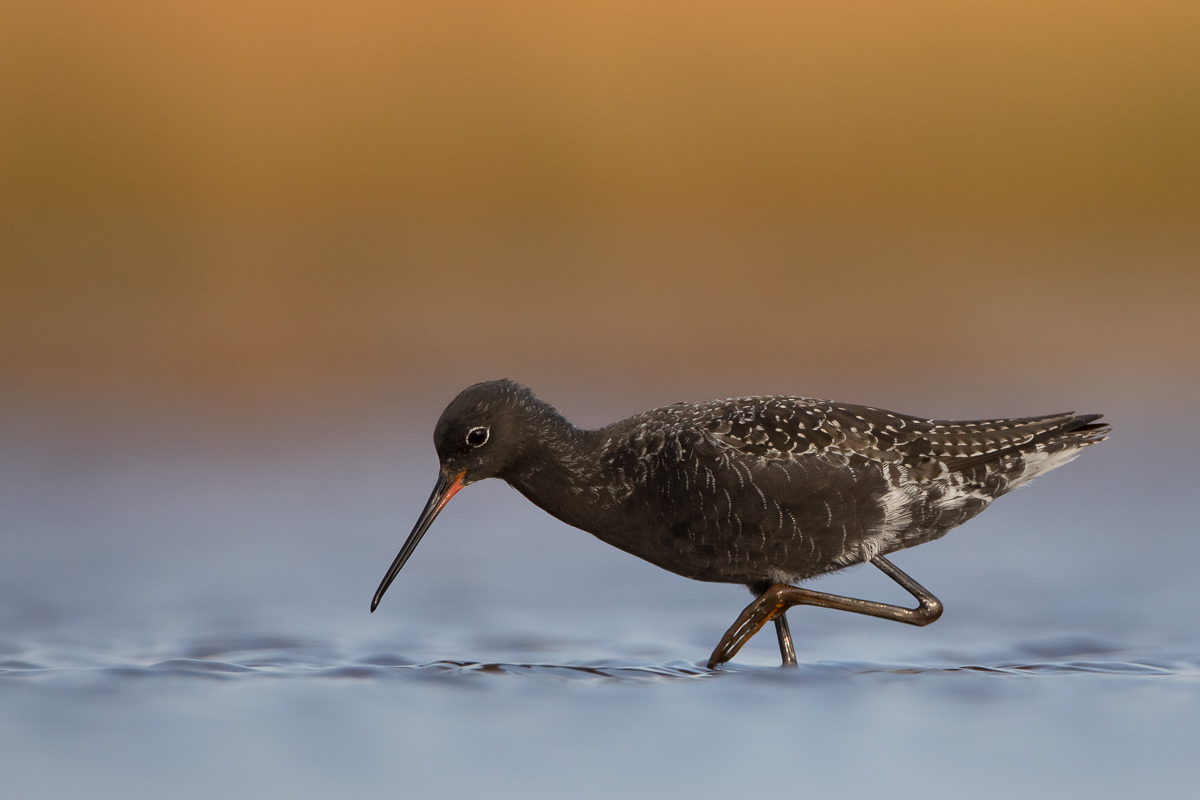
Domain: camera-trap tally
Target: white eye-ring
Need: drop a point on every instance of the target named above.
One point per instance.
(477, 437)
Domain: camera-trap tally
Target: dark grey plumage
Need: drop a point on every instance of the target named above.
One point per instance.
(755, 489)
(752, 490)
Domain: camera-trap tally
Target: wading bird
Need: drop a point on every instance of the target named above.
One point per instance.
(762, 491)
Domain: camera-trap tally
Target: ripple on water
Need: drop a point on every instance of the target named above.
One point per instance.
(265, 658)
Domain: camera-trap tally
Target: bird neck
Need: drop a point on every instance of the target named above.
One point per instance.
(557, 469)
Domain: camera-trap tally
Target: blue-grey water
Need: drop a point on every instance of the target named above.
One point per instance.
(183, 613)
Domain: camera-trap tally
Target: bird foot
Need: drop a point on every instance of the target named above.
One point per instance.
(778, 598)
(766, 607)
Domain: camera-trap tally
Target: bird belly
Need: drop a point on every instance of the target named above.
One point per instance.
(806, 535)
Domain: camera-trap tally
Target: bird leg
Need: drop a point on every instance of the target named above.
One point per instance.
(786, 649)
(776, 600)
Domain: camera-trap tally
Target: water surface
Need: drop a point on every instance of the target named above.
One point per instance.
(183, 613)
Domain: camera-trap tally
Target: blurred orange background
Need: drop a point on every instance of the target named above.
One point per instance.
(254, 198)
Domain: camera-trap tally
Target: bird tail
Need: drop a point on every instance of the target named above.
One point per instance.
(1052, 448)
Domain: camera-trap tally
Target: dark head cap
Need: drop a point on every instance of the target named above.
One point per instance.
(482, 431)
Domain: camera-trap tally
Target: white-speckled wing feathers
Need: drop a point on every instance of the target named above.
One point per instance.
(808, 485)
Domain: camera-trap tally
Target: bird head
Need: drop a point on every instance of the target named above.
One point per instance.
(479, 435)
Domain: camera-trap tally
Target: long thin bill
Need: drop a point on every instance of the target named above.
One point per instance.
(442, 492)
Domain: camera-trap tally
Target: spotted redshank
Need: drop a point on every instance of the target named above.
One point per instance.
(761, 491)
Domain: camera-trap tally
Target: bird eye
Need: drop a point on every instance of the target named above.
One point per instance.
(477, 437)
